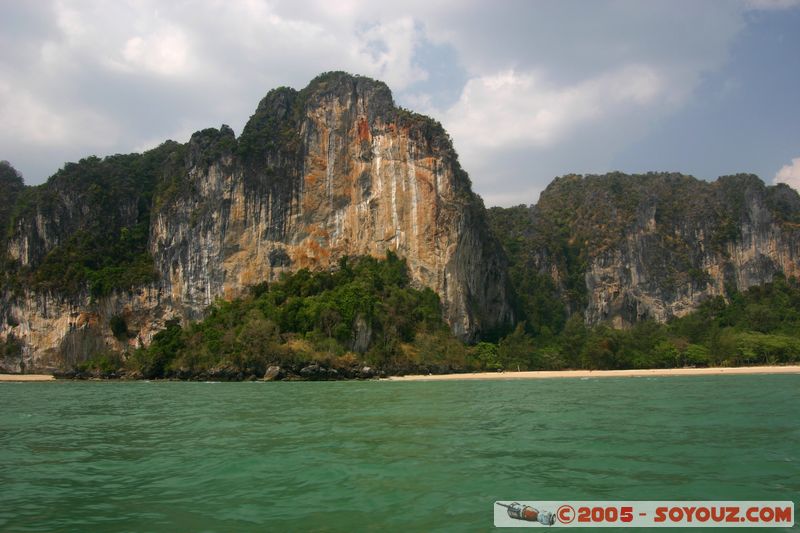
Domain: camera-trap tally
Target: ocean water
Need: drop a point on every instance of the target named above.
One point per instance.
(382, 456)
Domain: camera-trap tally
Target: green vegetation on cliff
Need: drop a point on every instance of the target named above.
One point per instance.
(759, 326)
(537, 299)
(668, 224)
(756, 327)
(102, 245)
(328, 325)
(365, 312)
(321, 325)
(11, 185)
(645, 238)
(580, 218)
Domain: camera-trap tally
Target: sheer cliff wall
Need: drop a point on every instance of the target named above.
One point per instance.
(333, 170)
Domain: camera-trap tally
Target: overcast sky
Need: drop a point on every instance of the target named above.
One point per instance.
(529, 90)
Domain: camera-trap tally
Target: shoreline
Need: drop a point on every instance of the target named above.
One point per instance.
(27, 377)
(527, 374)
(650, 372)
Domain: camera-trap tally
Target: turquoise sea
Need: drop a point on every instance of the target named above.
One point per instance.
(382, 456)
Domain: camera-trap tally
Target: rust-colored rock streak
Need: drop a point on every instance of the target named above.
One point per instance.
(334, 170)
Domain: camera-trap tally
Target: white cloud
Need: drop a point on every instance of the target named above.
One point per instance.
(523, 109)
(131, 37)
(387, 52)
(165, 52)
(533, 78)
(510, 127)
(790, 174)
(70, 21)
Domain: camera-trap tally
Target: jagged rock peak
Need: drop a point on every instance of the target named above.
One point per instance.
(285, 103)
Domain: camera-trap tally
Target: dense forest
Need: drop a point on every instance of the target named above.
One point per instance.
(364, 319)
(359, 320)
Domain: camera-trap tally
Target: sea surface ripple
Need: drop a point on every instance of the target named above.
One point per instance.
(382, 456)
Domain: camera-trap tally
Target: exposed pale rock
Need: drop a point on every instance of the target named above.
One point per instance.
(359, 178)
(331, 171)
(656, 246)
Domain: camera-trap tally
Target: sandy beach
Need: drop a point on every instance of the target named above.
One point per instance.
(795, 369)
(26, 377)
(541, 374)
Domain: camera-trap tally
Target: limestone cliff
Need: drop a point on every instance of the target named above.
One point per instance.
(621, 249)
(333, 170)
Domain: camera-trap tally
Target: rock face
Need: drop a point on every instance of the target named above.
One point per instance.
(97, 260)
(55, 331)
(332, 170)
(622, 249)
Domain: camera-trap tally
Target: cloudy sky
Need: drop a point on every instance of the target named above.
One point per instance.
(528, 90)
